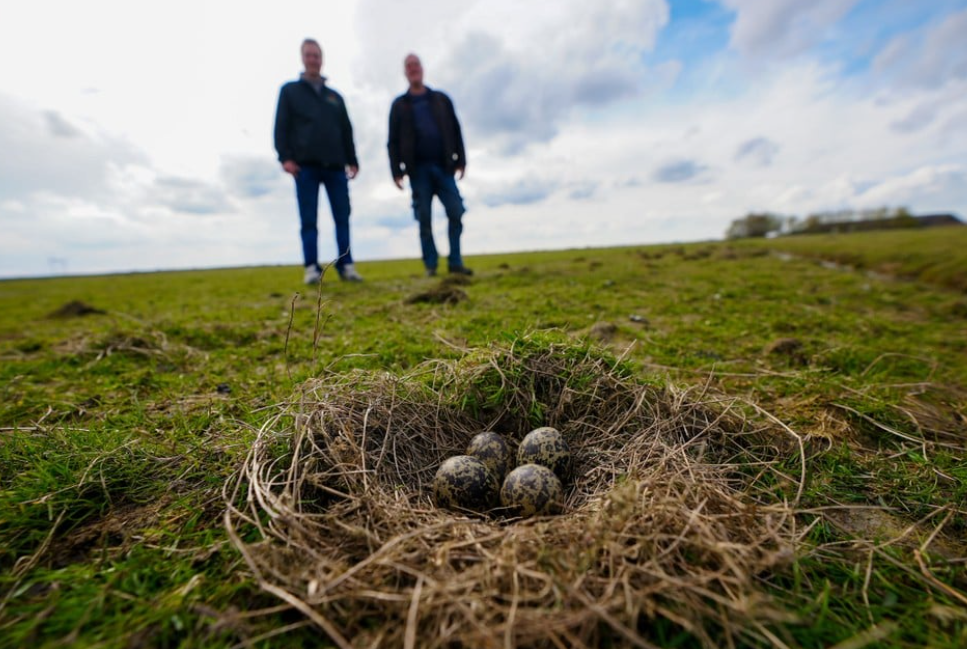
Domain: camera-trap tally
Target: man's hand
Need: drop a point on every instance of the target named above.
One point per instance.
(460, 172)
(399, 182)
(291, 167)
(352, 171)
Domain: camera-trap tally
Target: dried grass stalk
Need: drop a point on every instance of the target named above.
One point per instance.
(668, 522)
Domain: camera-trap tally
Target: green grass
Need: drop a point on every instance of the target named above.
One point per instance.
(116, 439)
(932, 254)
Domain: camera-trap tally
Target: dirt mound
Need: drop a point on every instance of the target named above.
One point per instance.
(75, 309)
(603, 330)
(443, 293)
(668, 525)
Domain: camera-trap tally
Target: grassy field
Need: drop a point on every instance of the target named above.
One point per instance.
(119, 428)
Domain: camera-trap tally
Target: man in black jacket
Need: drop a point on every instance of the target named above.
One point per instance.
(425, 143)
(314, 140)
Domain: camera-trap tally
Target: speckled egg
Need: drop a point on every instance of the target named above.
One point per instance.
(465, 483)
(547, 447)
(493, 450)
(532, 489)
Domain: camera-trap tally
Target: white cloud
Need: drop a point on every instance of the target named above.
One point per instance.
(930, 187)
(931, 57)
(248, 176)
(681, 171)
(917, 119)
(190, 196)
(60, 127)
(519, 192)
(45, 151)
(758, 151)
(518, 72)
(923, 108)
(835, 146)
(782, 28)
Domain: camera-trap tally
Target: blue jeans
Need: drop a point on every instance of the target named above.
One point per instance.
(307, 183)
(427, 179)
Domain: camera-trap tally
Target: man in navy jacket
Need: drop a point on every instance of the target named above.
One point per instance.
(426, 144)
(314, 140)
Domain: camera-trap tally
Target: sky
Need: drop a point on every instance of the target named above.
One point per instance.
(138, 136)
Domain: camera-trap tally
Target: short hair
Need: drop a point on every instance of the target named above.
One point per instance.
(309, 41)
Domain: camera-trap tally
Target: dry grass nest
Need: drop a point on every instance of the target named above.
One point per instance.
(669, 528)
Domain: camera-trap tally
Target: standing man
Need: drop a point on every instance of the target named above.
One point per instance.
(314, 140)
(425, 143)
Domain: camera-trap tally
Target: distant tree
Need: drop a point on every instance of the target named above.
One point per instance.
(844, 220)
(902, 218)
(874, 215)
(878, 218)
(754, 225)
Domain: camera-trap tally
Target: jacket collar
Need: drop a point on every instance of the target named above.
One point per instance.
(429, 91)
(302, 77)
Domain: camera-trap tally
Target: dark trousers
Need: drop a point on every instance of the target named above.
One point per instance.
(307, 183)
(427, 180)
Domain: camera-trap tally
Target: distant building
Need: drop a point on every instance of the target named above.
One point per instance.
(934, 220)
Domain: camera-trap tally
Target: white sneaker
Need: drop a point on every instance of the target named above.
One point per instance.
(313, 274)
(349, 274)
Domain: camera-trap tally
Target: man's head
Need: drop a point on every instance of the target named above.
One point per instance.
(413, 70)
(312, 57)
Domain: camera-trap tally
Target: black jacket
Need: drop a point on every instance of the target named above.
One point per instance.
(313, 128)
(402, 133)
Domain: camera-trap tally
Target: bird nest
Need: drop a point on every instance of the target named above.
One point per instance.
(672, 519)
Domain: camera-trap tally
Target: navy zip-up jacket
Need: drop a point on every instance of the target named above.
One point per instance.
(313, 128)
(402, 133)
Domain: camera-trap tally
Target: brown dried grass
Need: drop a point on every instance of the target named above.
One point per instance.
(669, 526)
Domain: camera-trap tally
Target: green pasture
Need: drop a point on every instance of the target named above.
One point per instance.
(119, 428)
